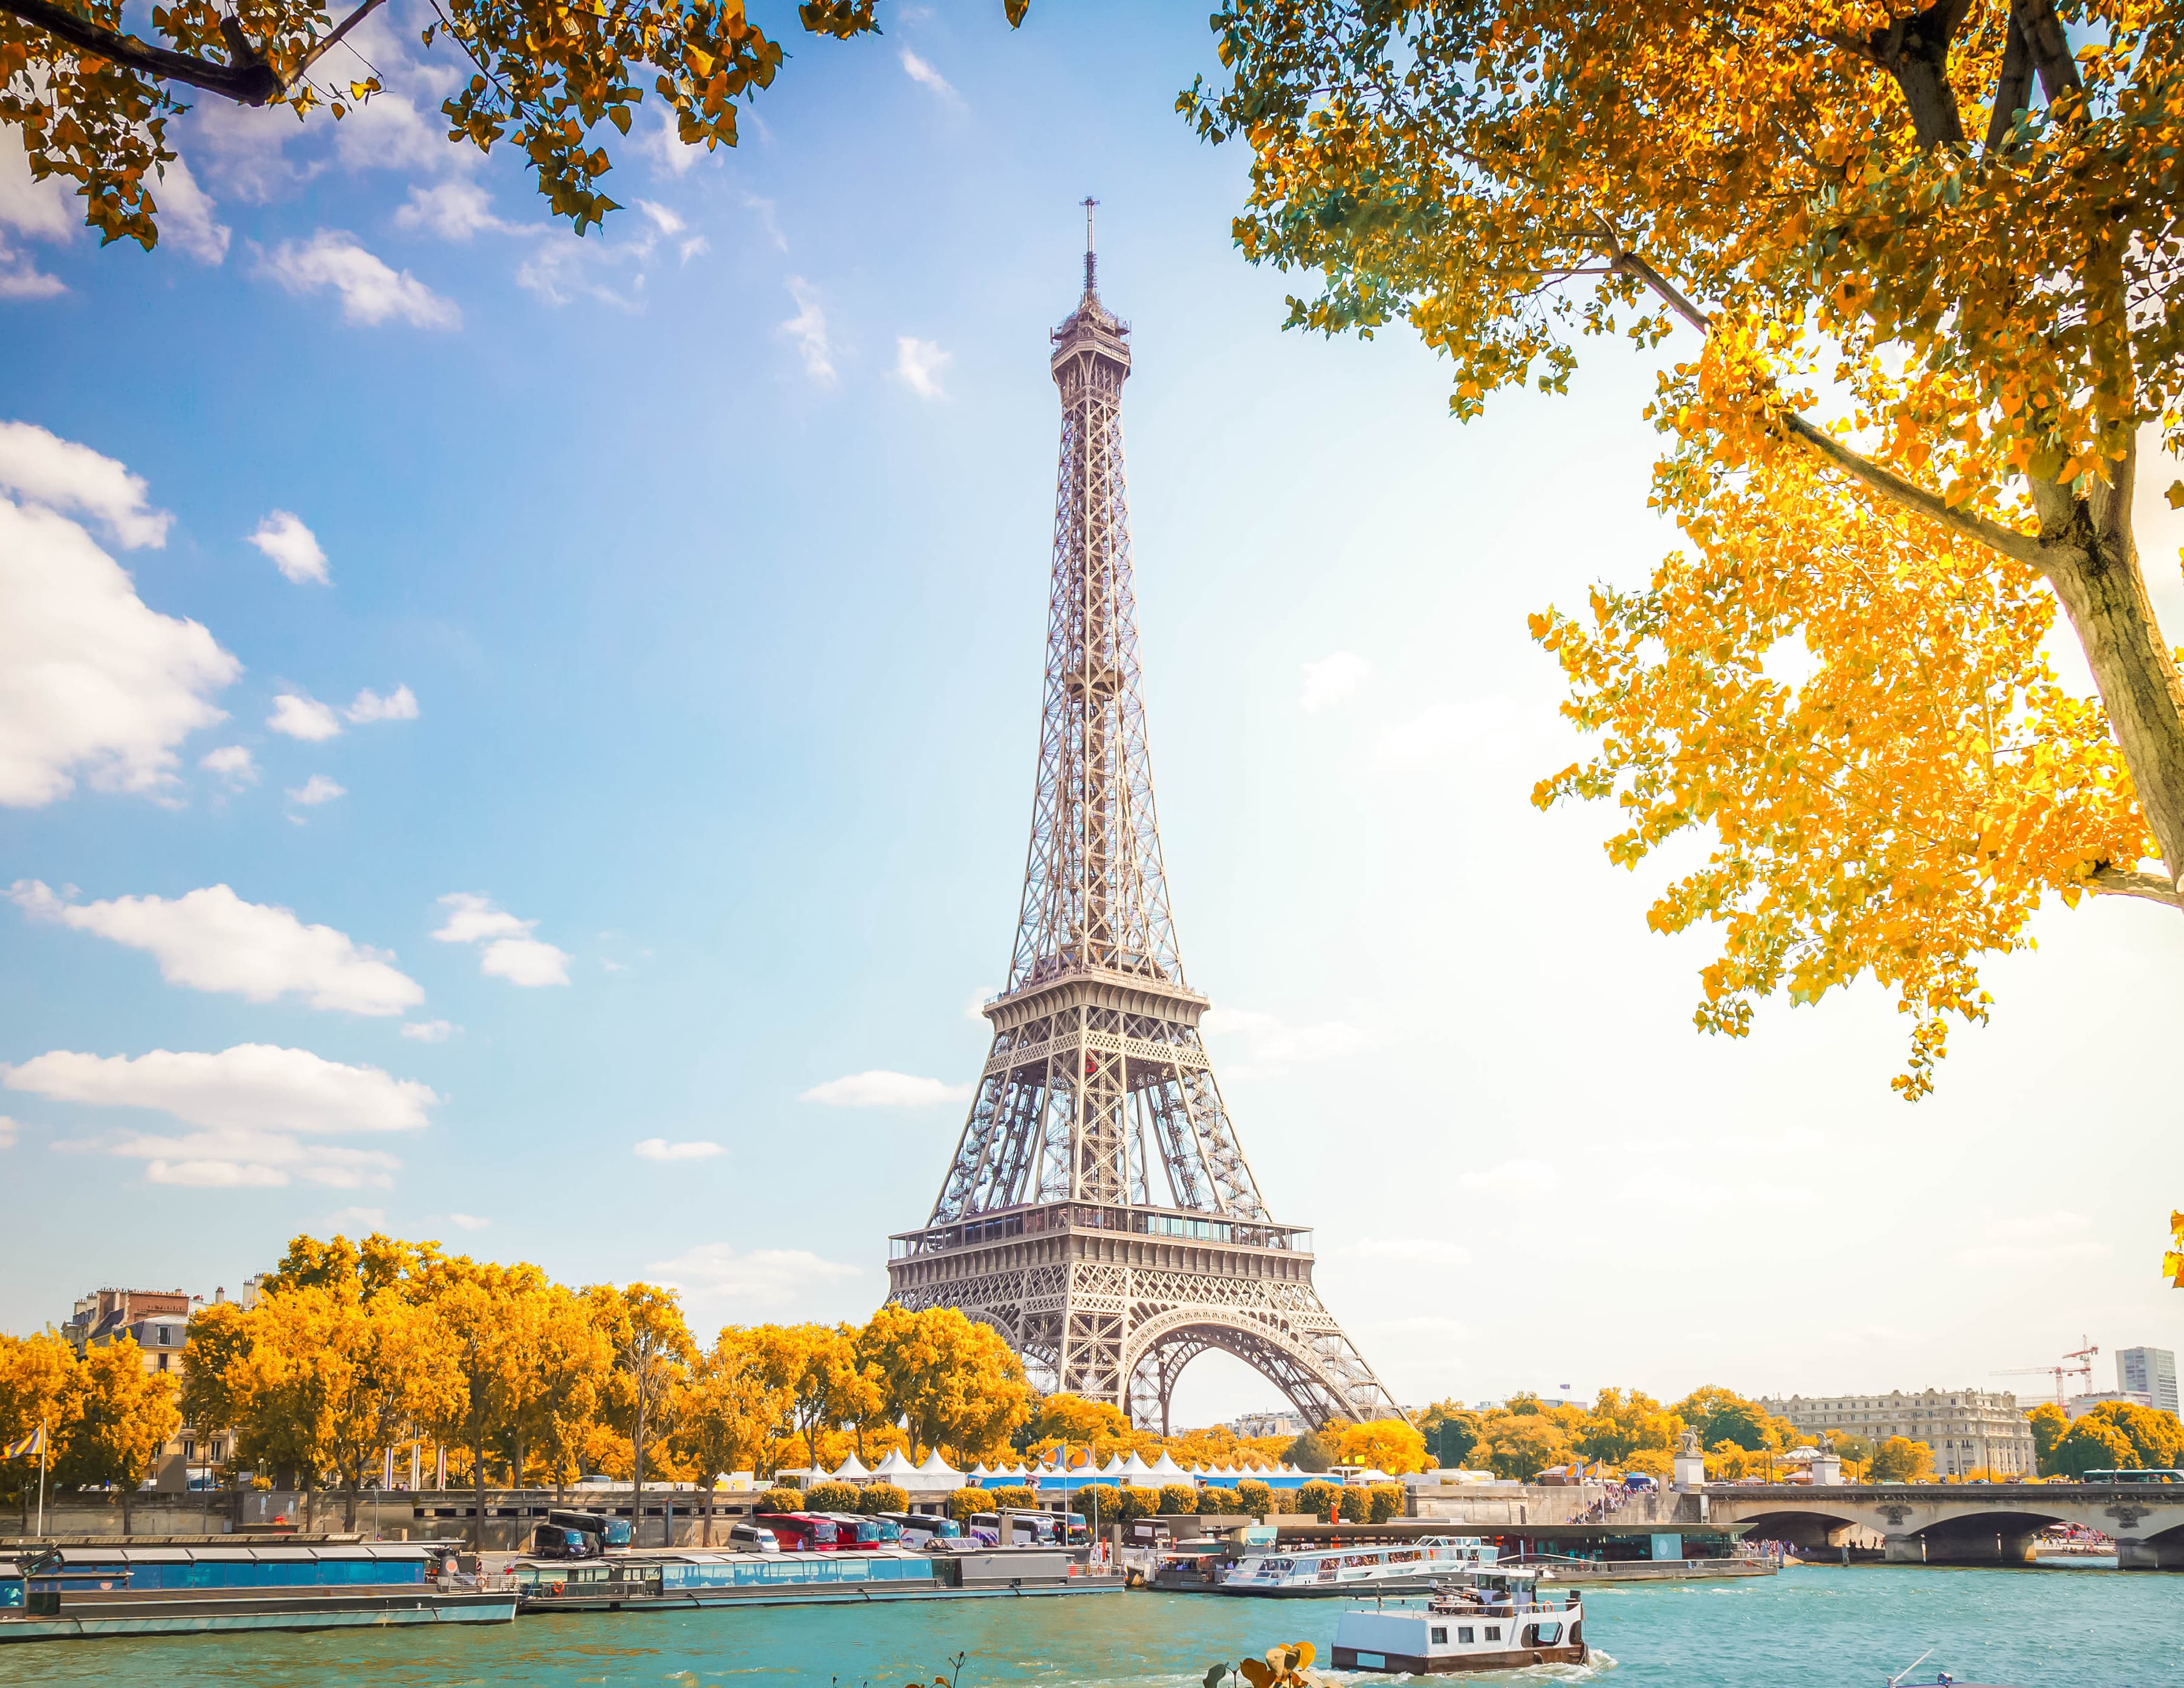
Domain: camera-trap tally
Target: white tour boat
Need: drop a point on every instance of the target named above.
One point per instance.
(1367, 1567)
(1489, 1620)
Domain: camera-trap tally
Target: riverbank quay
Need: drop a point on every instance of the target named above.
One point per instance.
(1818, 1627)
(97, 1592)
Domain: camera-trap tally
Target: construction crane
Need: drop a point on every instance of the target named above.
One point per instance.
(2083, 1354)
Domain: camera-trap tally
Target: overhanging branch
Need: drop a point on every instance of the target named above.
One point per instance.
(2024, 547)
(246, 78)
(2117, 882)
(245, 83)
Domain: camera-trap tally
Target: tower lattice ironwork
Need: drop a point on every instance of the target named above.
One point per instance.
(1100, 1212)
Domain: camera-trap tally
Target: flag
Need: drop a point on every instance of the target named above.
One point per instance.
(32, 1446)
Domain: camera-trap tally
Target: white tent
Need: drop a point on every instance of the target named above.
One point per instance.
(1167, 1467)
(1114, 1466)
(935, 1477)
(893, 1466)
(1134, 1467)
(980, 1472)
(851, 1470)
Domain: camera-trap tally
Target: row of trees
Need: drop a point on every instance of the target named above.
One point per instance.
(1627, 1429)
(2117, 1435)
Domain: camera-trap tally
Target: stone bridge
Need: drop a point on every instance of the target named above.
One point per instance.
(1961, 1523)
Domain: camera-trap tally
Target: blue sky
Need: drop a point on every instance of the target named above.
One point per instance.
(677, 660)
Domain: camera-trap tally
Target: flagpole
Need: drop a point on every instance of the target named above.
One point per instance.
(42, 1441)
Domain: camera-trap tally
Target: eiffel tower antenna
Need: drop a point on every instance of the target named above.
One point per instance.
(1100, 1212)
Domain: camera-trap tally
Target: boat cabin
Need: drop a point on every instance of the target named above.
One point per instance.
(1485, 1620)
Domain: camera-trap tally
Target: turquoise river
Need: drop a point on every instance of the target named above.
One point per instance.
(1812, 1627)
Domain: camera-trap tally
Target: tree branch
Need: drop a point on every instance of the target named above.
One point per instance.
(320, 49)
(2013, 89)
(2117, 881)
(245, 83)
(1897, 490)
(2024, 547)
(2050, 49)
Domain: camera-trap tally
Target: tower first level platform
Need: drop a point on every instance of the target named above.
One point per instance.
(1111, 1302)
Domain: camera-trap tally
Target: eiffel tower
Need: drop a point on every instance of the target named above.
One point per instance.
(1048, 1227)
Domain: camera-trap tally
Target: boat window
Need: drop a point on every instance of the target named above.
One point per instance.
(1463, 1636)
(1440, 1633)
(1493, 1632)
(1542, 1634)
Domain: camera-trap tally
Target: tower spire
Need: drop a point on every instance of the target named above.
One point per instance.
(1091, 264)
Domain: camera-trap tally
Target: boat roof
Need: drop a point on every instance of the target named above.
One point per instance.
(243, 1555)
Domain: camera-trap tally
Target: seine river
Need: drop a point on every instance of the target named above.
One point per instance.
(1813, 1626)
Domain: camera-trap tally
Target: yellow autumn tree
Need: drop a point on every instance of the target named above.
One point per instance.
(92, 103)
(652, 1351)
(953, 1380)
(1916, 259)
(1389, 1444)
(726, 1410)
(115, 1415)
(36, 1375)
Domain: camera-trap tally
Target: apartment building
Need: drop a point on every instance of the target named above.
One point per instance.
(1969, 1429)
(158, 1321)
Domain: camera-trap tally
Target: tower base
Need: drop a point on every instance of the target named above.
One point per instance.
(1111, 1303)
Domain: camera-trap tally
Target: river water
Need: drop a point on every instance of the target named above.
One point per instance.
(1812, 1627)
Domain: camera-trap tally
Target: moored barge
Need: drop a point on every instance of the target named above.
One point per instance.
(1488, 1620)
(666, 1581)
(80, 1593)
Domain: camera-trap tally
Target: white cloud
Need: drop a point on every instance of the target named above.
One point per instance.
(760, 1280)
(293, 547)
(388, 132)
(469, 1222)
(510, 952)
(399, 705)
(1267, 1046)
(808, 329)
(560, 265)
(659, 1149)
(232, 763)
(429, 1031)
(7, 1130)
(42, 468)
(186, 216)
(91, 680)
(1409, 1250)
(884, 1089)
(315, 790)
(250, 1088)
(663, 144)
(766, 209)
(453, 210)
(471, 917)
(1330, 680)
(1513, 1177)
(529, 961)
(303, 717)
(211, 939)
(40, 209)
(361, 1217)
(918, 363)
(974, 1006)
(920, 72)
(1481, 730)
(371, 291)
(253, 1160)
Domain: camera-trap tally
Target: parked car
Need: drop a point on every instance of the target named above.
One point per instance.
(745, 1537)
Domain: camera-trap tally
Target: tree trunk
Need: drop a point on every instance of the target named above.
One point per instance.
(348, 1509)
(518, 1473)
(637, 1477)
(127, 1491)
(2103, 592)
(712, 1484)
